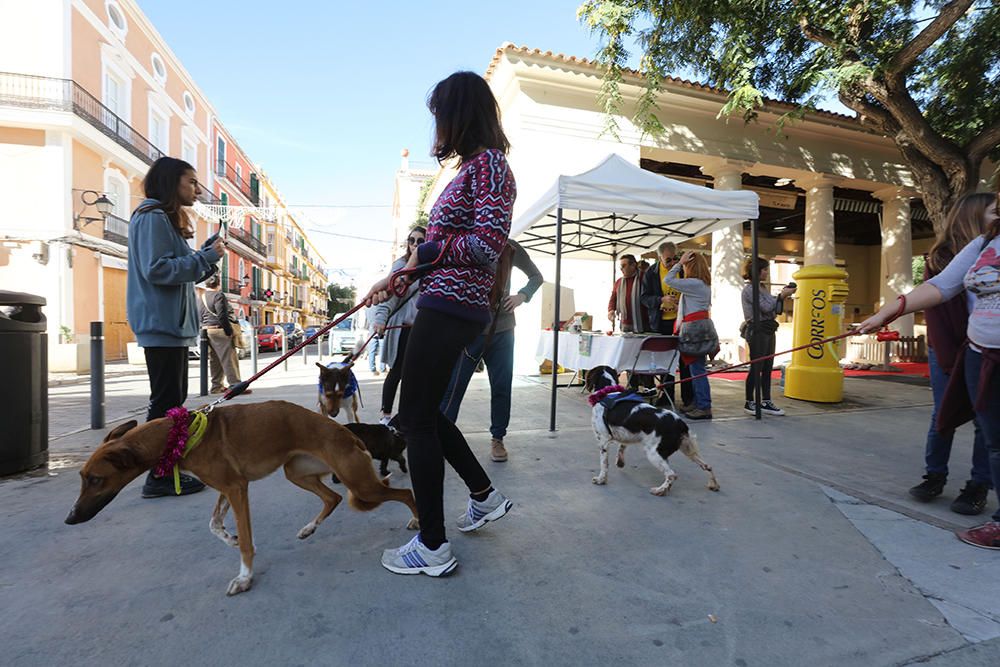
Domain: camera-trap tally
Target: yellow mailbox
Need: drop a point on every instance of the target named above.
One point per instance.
(815, 373)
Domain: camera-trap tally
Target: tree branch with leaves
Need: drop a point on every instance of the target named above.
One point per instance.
(923, 73)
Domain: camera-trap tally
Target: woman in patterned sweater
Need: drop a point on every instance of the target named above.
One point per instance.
(468, 229)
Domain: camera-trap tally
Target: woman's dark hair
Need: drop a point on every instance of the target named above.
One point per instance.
(161, 183)
(964, 222)
(762, 265)
(466, 117)
(409, 249)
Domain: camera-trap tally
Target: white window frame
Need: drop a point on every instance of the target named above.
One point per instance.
(111, 69)
(239, 175)
(225, 150)
(189, 148)
(153, 59)
(120, 31)
(155, 109)
(189, 98)
(114, 176)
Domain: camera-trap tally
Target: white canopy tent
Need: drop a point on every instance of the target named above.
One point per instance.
(617, 207)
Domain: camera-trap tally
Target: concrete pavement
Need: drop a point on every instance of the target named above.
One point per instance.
(779, 568)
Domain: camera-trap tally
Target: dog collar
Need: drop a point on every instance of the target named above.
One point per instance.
(184, 436)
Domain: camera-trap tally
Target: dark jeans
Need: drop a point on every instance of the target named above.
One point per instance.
(938, 448)
(391, 383)
(436, 341)
(760, 346)
(687, 391)
(702, 392)
(499, 360)
(989, 417)
(168, 382)
(168, 379)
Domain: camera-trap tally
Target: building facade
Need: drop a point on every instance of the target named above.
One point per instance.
(90, 97)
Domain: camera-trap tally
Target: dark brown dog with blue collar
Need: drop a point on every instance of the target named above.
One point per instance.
(241, 444)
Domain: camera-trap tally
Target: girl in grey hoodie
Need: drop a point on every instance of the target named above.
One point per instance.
(160, 300)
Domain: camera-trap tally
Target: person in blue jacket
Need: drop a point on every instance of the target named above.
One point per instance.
(160, 300)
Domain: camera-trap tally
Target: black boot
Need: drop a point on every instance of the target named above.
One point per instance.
(971, 500)
(930, 488)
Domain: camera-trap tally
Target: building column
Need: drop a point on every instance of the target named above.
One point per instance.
(897, 251)
(727, 266)
(820, 240)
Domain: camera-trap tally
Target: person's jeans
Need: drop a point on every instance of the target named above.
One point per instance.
(391, 383)
(436, 341)
(989, 417)
(938, 448)
(499, 359)
(702, 393)
(666, 328)
(373, 347)
(760, 346)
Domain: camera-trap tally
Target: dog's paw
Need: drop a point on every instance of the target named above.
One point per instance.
(239, 585)
(413, 524)
(659, 490)
(599, 480)
(620, 462)
(713, 485)
(307, 530)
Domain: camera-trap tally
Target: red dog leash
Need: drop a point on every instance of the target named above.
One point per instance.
(399, 282)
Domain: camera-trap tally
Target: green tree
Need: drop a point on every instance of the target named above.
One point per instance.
(339, 298)
(920, 72)
(422, 216)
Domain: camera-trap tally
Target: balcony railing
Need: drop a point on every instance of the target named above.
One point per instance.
(42, 92)
(231, 285)
(249, 240)
(116, 230)
(244, 185)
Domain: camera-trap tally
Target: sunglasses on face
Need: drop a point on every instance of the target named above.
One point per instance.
(669, 260)
(415, 241)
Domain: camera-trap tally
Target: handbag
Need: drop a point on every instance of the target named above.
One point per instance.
(767, 328)
(698, 338)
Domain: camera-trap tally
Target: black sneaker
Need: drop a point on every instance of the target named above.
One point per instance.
(930, 488)
(750, 408)
(769, 408)
(158, 487)
(971, 499)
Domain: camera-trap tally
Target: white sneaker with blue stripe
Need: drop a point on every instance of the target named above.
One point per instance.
(414, 558)
(478, 514)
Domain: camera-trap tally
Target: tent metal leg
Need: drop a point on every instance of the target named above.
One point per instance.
(555, 322)
(755, 279)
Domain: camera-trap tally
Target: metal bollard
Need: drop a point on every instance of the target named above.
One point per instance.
(305, 355)
(284, 349)
(203, 362)
(97, 375)
(329, 343)
(319, 348)
(253, 351)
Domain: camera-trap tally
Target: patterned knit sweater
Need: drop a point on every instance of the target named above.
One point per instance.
(474, 211)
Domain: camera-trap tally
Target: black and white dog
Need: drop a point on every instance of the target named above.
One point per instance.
(626, 418)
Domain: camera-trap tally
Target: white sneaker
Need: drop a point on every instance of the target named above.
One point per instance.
(414, 558)
(384, 421)
(769, 408)
(478, 514)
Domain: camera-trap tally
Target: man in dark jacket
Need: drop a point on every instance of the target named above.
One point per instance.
(215, 319)
(661, 305)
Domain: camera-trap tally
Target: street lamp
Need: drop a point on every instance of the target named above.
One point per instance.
(98, 200)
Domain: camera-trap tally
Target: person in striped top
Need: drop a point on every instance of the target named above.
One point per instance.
(467, 230)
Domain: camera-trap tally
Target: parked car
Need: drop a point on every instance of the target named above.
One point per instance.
(293, 332)
(269, 337)
(246, 330)
(343, 336)
(311, 331)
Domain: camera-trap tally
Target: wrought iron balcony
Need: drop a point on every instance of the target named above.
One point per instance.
(231, 285)
(116, 230)
(249, 240)
(43, 92)
(244, 184)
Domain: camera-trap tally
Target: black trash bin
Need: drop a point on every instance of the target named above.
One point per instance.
(24, 392)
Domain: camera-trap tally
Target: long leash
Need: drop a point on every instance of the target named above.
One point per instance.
(399, 282)
(884, 335)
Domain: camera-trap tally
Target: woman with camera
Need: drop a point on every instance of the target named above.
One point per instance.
(761, 341)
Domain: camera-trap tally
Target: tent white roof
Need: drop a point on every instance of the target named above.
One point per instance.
(618, 207)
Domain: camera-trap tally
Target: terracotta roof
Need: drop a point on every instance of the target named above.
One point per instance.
(509, 47)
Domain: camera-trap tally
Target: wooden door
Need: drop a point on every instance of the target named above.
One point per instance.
(116, 330)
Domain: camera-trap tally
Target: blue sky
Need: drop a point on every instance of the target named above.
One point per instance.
(325, 94)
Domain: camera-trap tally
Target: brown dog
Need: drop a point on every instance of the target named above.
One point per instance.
(243, 443)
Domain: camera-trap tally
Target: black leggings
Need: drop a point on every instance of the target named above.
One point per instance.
(436, 341)
(760, 346)
(391, 383)
(168, 379)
